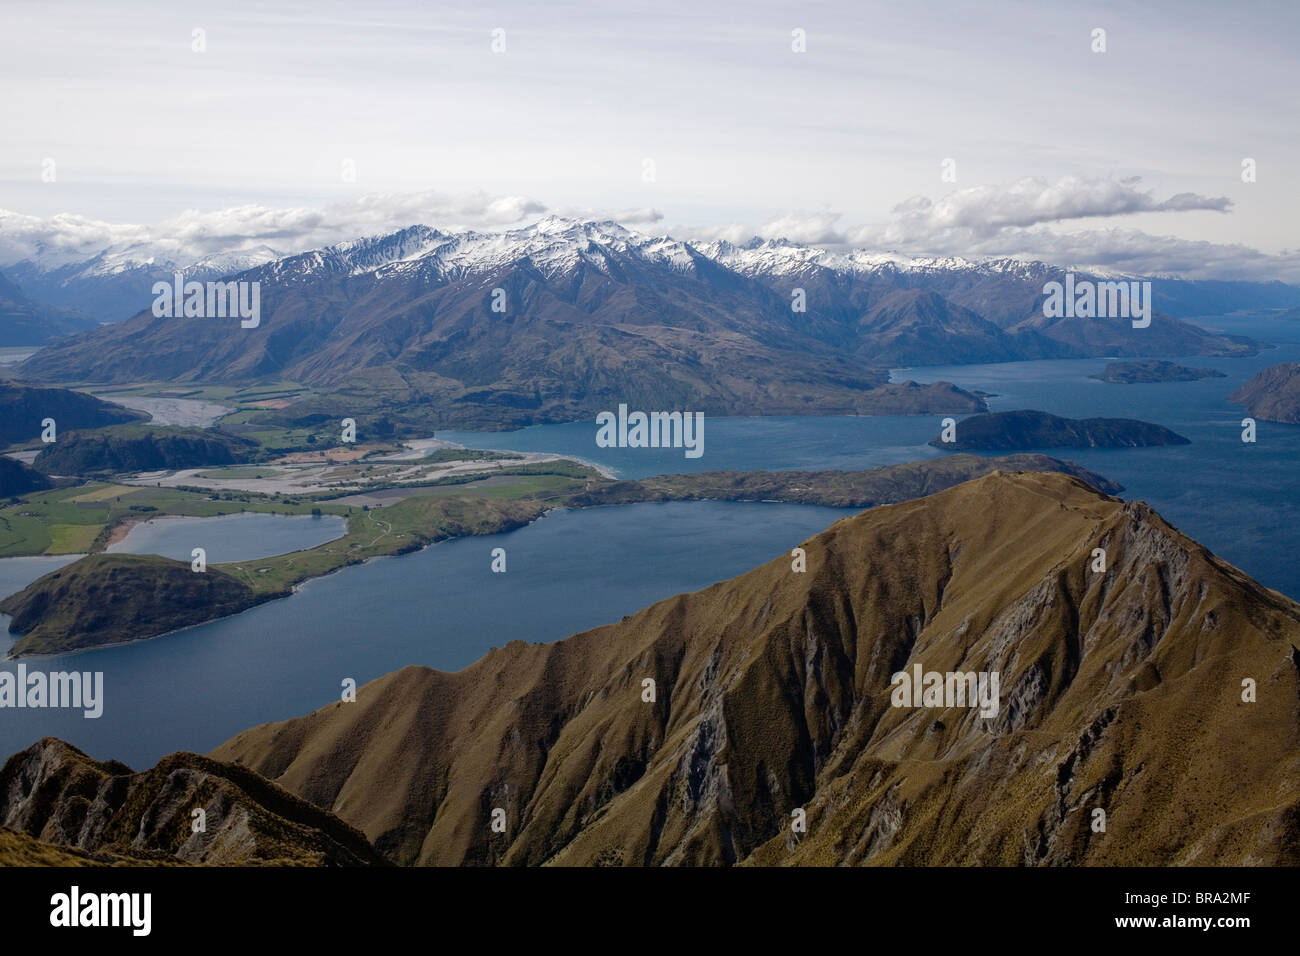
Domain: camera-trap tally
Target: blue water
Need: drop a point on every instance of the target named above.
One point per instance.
(442, 607)
(239, 537)
(1240, 500)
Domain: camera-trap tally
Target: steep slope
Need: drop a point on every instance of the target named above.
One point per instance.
(919, 327)
(1121, 691)
(56, 794)
(1273, 394)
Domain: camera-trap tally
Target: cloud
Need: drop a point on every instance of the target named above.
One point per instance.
(643, 216)
(803, 228)
(193, 235)
(985, 210)
(1135, 252)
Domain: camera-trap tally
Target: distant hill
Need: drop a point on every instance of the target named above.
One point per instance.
(24, 321)
(140, 448)
(1120, 691)
(85, 811)
(1027, 429)
(24, 407)
(1152, 370)
(1272, 395)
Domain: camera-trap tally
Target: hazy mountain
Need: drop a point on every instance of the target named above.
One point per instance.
(24, 321)
(1003, 290)
(116, 282)
(1121, 691)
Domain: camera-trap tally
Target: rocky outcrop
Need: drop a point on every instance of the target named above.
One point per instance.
(56, 794)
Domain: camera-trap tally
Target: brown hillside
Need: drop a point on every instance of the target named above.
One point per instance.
(1119, 690)
(58, 795)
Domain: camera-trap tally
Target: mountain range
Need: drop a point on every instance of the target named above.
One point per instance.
(112, 280)
(24, 321)
(566, 318)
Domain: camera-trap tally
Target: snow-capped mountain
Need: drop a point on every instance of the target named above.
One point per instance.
(110, 281)
(115, 282)
(550, 321)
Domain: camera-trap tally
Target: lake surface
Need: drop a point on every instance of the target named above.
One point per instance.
(1240, 500)
(239, 537)
(441, 607)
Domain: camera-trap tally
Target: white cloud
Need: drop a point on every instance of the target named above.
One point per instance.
(985, 210)
(803, 228)
(193, 235)
(1026, 219)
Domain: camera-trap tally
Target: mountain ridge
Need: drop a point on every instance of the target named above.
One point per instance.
(1122, 693)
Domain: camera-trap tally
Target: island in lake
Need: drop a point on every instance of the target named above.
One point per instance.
(1025, 429)
(1152, 370)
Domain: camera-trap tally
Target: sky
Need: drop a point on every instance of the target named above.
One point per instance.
(289, 124)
